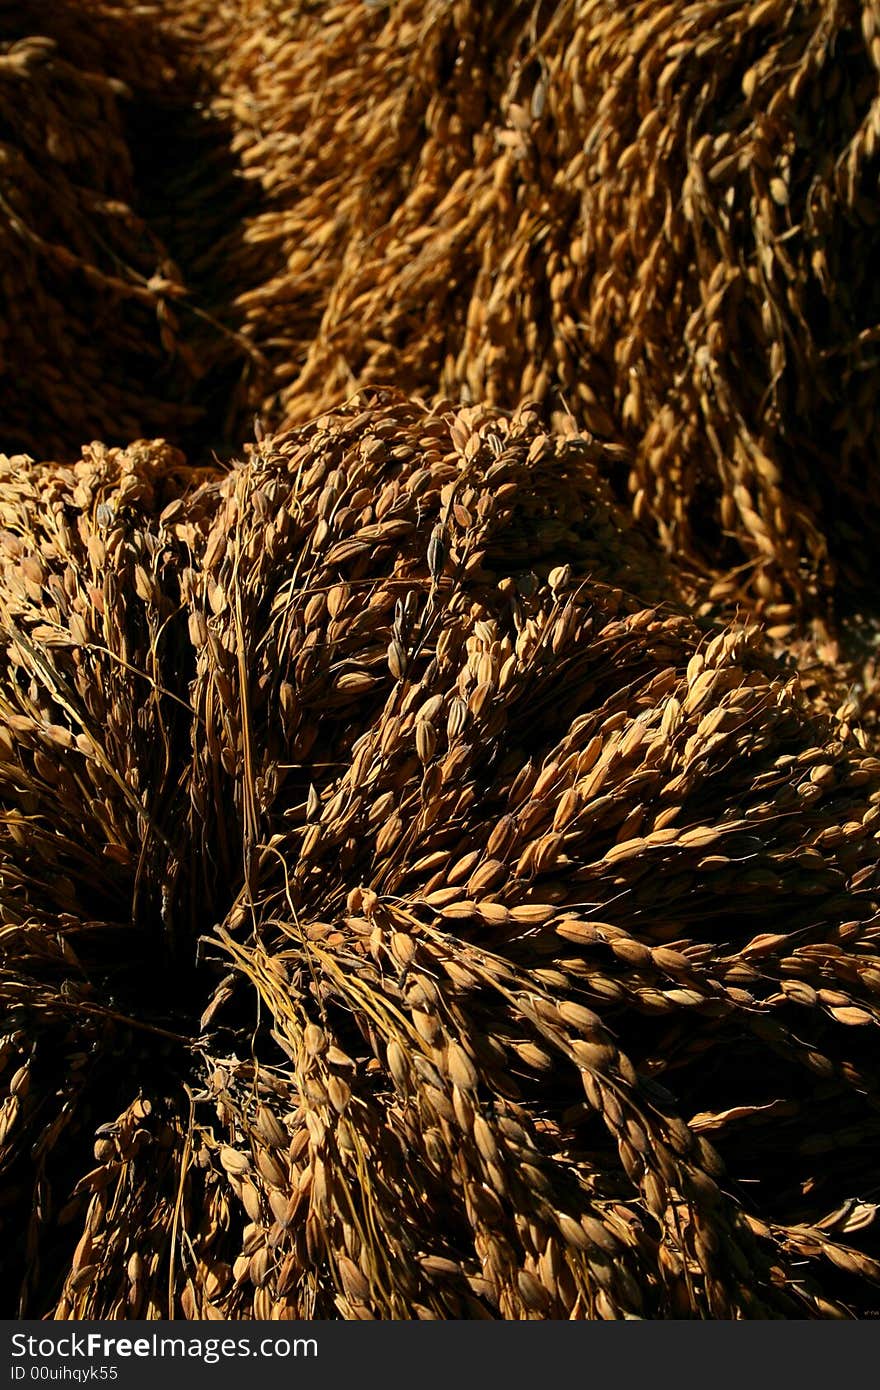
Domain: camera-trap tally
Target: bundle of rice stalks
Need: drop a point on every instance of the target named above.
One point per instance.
(657, 217)
(493, 943)
(111, 172)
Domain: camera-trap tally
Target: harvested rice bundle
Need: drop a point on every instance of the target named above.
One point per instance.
(657, 217)
(539, 958)
(126, 36)
(87, 323)
(87, 742)
(112, 173)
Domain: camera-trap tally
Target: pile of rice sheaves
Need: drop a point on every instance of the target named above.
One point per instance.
(658, 218)
(403, 919)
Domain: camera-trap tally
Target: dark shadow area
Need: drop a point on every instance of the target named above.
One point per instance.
(123, 1064)
(118, 319)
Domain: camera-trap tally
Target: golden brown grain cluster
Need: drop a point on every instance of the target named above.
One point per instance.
(535, 924)
(657, 218)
